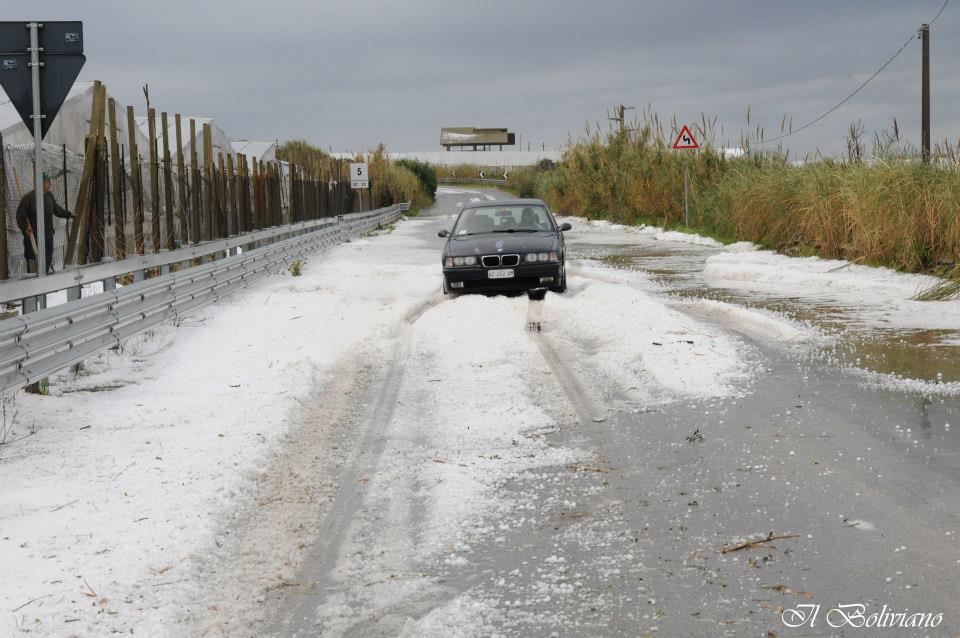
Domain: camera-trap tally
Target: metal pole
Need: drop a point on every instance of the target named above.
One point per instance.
(925, 94)
(686, 195)
(38, 150)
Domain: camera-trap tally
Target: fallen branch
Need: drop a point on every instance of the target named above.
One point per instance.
(587, 468)
(783, 589)
(60, 507)
(33, 600)
(759, 542)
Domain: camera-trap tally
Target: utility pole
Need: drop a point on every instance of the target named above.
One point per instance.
(925, 94)
(621, 116)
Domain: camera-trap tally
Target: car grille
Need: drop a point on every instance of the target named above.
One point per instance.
(495, 261)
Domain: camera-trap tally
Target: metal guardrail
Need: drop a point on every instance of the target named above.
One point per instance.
(74, 276)
(38, 344)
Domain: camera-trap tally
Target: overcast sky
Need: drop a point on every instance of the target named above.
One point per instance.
(351, 73)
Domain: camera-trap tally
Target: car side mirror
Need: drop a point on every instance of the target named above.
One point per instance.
(443, 233)
(565, 226)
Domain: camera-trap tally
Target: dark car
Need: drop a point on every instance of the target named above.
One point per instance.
(510, 245)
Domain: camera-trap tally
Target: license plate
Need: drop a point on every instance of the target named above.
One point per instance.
(500, 273)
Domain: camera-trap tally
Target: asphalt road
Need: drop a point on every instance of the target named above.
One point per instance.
(625, 532)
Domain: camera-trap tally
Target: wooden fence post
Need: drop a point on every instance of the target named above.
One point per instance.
(154, 181)
(223, 223)
(77, 242)
(136, 182)
(208, 180)
(119, 219)
(182, 185)
(170, 244)
(268, 194)
(195, 184)
(232, 224)
(246, 215)
(256, 195)
(96, 233)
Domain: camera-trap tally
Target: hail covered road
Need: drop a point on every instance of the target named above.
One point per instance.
(699, 438)
(463, 475)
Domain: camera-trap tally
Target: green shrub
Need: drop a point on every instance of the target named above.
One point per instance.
(426, 174)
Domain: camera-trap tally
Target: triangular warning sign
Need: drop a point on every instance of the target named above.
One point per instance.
(685, 139)
(56, 77)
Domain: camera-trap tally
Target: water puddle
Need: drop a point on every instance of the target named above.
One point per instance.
(929, 355)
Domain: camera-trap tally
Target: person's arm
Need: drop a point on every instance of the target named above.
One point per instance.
(57, 209)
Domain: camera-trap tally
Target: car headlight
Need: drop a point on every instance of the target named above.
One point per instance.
(458, 261)
(533, 257)
(470, 261)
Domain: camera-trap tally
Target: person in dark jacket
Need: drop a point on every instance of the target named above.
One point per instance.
(27, 222)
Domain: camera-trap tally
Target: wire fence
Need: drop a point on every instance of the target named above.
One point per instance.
(65, 169)
(127, 201)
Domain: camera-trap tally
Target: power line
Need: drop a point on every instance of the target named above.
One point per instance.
(859, 88)
(939, 12)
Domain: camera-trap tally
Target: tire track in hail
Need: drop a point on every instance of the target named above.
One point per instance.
(296, 614)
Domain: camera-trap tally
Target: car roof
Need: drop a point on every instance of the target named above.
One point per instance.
(505, 202)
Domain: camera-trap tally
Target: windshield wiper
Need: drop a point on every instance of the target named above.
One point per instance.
(517, 230)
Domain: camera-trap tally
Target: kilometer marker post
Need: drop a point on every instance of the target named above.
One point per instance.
(686, 141)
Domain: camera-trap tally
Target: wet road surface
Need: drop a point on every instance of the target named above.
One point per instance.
(635, 536)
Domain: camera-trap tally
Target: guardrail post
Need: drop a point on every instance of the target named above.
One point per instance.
(110, 283)
(28, 305)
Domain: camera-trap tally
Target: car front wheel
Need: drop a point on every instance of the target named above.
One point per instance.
(562, 286)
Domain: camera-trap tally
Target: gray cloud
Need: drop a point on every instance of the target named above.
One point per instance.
(351, 74)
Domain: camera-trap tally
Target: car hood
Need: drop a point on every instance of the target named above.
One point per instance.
(503, 243)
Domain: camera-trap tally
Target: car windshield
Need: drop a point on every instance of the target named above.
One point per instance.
(503, 219)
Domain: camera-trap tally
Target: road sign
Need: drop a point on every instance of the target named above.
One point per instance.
(505, 174)
(56, 38)
(481, 174)
(358, 175)
(61, 57)
(685, 139)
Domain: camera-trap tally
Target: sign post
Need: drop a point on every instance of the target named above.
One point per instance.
(37, 116)
(359, 180)
(686, 141)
